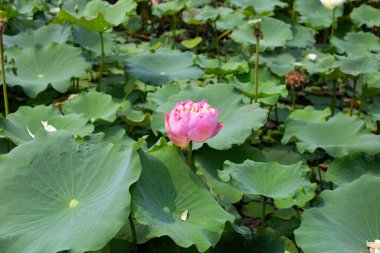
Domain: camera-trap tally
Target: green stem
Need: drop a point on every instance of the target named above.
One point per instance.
(257, 68)
(294, 12)
(333, 99)
(174, 30)
(332, 24)
(263, 212)
(101, 66)
(353, 98)
(362, 99)
(319, 172)
(276, 112)
(293, 98)
(3, 76)
(190, 154)
(134, 238)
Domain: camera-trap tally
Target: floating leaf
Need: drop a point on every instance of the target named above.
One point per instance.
(208, 161)
(42, 36)
(276, 33)
(63, 194)
(165, 172)
(214, 66)
(328, 221)
(258, 5)
(309, 114)
(366, 15)
(359, 65)
(268, 179)
(231, 110)
(162, 67)
(191, 43)
(339, 136)
(313, 13)
(349, 168)
(302, 37)
(19, 126)
(93, 105)
(280, 64)
(90, 40)
(37, 67)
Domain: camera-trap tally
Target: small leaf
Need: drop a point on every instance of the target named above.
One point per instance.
(191, 43)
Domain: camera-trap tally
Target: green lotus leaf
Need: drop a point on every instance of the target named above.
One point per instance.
(302, 37)
(208, 161)
(266, 90)
(279, 64)
(214, 66)
(209, 13)
(314, 14)
(93, 105)
(231, 21)
(276, 34)
(162, 67)
(339, 136)
(61, 194)
(133, 117)
(282, 154)
(328, 221)
(309, 114)
(166, 189)
(366, 15)
(268, 179)
(374, 109)
(359, 65)
(42, 36)
(350, 48)
(20, 126)
(90, 40)
(38, 67)
(231, 110)
(191, 43)
(168, 8)
(349, 168)
(324, 65)
(98, 15)
(259, 6)
(352, 43)
(303, 195)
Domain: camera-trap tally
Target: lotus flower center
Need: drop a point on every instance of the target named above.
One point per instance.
(162, 73)
(73, 203)
(40, 76)
(166, 209)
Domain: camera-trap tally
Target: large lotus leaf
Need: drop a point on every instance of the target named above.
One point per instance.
(268, 179)
(313, 13)
(166, 189)
(351, 48)
(349, 168)
(210, 13)
(276, 33)
(42, 36)
(353, 43)
(258, 5)
(345, 219)
(359, 65)
(366, 15)
(231, 110)
(371, 41)
(282, 154)
(279, 64)
(302, 37)
(324, 65)
(168, 8)
(62, 194)
(53, 64)
(94, 105)
(339, 136)
(162, 67)
(27, 121)
(91, 40)
(230, 21)
(208, 161)
(309, 114)
(98, 15)
(214, 66)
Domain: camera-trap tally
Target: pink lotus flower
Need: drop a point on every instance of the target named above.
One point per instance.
(190, 121)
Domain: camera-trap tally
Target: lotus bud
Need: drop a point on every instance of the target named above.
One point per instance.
(332, 4)
(256, 25)
(311, 57)
(190, 121)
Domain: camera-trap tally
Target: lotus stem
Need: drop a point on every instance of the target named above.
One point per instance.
(5, 93)
(174, 30)
(101, 66)
(362, 99)
(353, 97)
(190, 154)
(293, 98)
(333, 99)
(294, 12)
(332, 24)
(263, 212)
(133, 230)
(257, 68)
